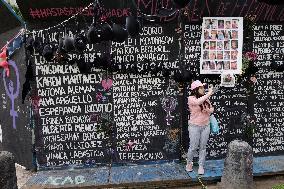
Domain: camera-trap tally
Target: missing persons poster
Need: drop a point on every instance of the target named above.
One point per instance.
(228, 80)
(221, 45)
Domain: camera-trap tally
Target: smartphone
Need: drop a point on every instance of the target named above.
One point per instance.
(206, 88)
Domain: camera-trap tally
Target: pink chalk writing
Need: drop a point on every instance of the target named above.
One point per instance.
(195, 10)
(57, 12)
(117, 13)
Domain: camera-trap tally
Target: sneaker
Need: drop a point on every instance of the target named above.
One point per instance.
(189, 167)
(201, 170)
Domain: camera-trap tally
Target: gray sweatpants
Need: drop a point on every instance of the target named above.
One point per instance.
(199, 136)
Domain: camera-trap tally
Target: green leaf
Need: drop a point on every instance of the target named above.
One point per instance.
(280, 186)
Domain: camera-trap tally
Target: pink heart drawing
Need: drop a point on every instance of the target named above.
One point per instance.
(107, 84)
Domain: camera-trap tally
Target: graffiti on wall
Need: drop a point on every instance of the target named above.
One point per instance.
(12, 90)
(65, 180)
(194, 11)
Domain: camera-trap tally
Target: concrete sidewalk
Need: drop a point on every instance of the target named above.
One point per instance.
(144, 176)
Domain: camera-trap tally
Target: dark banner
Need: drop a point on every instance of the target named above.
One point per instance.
(143, 109)
(96, 118)
(91, 119)
(56, 11)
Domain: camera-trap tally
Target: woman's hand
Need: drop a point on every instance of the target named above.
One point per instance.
(210, 90)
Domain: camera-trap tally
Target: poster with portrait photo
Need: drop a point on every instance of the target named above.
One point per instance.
(228, 80)
(222, 42)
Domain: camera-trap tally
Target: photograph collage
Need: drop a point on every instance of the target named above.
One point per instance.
(220, 45)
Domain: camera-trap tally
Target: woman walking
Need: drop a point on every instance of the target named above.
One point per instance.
(199, 125)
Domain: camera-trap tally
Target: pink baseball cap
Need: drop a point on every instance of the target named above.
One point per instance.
(196, 84)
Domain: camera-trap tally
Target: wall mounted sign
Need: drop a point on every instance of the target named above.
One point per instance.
(222, 41)
(228, 80)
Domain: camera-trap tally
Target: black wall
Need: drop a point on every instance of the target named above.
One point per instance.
(231, 104)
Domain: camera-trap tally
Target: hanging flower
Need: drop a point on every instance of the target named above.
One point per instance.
(251, 56)
(247, 60)
(228, 78)
(3, 61)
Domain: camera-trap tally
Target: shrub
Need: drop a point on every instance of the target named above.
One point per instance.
(280, 186)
